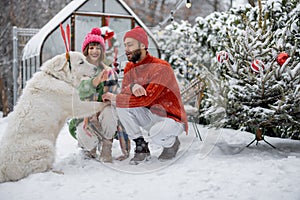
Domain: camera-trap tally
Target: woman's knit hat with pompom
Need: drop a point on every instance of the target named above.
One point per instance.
(94, 36)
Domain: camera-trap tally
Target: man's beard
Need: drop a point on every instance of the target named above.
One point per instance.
(135, 56)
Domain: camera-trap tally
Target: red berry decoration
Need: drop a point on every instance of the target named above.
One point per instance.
(282, 57)
(222, 56)
(257, 66)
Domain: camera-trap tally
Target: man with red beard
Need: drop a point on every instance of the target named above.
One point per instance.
(149, 105)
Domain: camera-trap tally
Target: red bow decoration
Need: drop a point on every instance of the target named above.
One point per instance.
(108, 35)
(65, 40)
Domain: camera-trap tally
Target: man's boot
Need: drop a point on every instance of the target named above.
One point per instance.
(105, 155)
(169, 153)
(141, 152)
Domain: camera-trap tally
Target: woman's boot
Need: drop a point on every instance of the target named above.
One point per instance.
(105, 154)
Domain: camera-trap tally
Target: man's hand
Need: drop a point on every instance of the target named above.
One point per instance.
(109, 97)
(138, 90)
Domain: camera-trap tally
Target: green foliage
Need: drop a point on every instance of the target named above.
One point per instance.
(73, 123)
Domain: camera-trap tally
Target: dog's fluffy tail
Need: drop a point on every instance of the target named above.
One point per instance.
(3, 167)
(2, 175)
(38, 157)
(1, 178)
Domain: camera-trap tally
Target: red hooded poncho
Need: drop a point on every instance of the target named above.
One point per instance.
(163, 94)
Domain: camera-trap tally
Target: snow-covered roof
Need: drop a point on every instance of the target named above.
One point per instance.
(33, 47)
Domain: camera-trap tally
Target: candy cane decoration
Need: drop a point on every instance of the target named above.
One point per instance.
(257, 66)
(222, 56)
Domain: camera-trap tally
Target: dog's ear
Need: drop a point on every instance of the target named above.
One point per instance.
(59, 62)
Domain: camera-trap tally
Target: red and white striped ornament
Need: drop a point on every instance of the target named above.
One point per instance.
(257, 66)
(222, 56)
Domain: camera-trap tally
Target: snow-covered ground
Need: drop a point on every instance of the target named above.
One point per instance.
(219, 167)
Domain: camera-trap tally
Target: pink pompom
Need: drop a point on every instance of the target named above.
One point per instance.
(96, 31)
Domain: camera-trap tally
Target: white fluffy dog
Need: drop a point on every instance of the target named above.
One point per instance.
(48, 100)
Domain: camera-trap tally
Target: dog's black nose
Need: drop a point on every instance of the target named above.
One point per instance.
(95, 69)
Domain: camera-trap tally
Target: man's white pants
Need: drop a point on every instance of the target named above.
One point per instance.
(161, 130)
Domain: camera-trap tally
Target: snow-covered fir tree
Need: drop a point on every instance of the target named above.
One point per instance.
(236, 96)
(179, 52)
(264, 92)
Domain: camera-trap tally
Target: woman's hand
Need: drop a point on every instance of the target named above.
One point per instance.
(85, 122)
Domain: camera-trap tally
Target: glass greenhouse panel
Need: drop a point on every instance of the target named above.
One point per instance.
(92, 6)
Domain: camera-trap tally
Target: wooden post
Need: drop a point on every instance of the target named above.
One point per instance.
(258, 134)
(1, 86)
(4, 99)
(258, 137)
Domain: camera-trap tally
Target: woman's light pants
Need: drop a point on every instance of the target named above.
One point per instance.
(108, 123)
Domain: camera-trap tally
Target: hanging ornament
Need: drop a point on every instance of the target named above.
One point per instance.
(282, 57)
(222, 56)
(257, 66)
